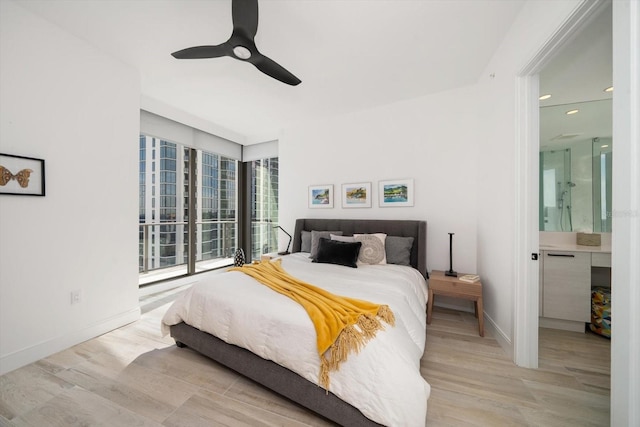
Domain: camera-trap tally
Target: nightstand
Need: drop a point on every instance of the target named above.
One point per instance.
(439, 284)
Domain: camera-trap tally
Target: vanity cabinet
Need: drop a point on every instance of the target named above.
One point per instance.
(566, 286)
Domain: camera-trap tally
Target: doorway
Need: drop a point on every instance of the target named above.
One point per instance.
(527, 291)
(625, 347)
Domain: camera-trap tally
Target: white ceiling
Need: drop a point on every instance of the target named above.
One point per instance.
(350, 54)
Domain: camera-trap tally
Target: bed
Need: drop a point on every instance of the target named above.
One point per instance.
(365, 391)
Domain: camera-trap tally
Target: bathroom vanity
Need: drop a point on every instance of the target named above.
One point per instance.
(567, 274)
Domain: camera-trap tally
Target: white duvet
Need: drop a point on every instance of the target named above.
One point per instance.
(383, 380)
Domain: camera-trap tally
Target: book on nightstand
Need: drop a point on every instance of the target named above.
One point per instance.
(471, 278)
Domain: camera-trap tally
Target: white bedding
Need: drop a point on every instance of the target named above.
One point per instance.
(383, 381)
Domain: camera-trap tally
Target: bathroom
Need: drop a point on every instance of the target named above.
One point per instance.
(576, 149)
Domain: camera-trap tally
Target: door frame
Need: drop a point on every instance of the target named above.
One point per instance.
(526, 292)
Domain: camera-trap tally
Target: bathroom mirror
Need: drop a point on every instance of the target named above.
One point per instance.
(575, 167)
(576, 143)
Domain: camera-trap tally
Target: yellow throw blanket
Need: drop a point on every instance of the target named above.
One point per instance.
(342, 324)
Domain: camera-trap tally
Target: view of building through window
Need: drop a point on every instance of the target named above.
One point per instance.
(164, 209)
(165, 213)
(264, 207)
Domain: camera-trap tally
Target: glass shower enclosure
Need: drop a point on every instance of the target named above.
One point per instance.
(555, 190)
(565, 206)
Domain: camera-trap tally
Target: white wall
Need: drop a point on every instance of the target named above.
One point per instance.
(431, 139)
(535, 25)
(458, 146)
(65, 102)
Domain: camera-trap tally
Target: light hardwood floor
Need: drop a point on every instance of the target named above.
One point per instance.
(134, 377)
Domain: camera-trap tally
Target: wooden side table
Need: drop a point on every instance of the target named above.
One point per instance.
(439, 284)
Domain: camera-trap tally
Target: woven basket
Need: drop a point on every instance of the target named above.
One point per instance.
(588, 239)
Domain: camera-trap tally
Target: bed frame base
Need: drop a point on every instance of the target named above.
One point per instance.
(271, 375)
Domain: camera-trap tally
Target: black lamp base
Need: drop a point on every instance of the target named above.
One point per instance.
(450, 272)
(284, 253)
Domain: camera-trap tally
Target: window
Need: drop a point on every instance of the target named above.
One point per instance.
(166, 212)
(217, 214)
(190, 194)
(264, 206)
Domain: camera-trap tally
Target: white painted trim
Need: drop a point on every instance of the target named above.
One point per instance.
(581, 16)
(625, 239)
(491, 327)
(526, 296)
(30, 354)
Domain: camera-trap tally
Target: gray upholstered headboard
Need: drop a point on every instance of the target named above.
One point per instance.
(402, 228)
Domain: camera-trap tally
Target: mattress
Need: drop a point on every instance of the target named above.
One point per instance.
(383, 380)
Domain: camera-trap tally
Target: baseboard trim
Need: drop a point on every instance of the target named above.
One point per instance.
(25, 356)
(502, 338)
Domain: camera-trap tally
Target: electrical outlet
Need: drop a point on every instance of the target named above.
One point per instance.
(75, 297)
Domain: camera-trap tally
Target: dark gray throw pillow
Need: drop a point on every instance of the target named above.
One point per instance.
(336, 252)
(398, 250)
(315, 239)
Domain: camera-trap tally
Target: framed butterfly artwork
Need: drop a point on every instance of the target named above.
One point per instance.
(21, 176)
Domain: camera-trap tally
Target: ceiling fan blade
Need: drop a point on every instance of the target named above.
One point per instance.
(241, 45)
(245, 17)
(273, 69)
(199, 52)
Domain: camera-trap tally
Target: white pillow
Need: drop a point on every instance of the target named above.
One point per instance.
(372, 250)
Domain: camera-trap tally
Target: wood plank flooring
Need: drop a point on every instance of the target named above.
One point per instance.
(134, 377)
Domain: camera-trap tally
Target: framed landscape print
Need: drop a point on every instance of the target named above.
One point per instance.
(396, 193)
(321, 196)
(21, 176)
(356, 195)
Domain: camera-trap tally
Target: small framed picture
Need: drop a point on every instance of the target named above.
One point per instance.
(396, 193)
(21, 176)
(356, 195)
(321, 196)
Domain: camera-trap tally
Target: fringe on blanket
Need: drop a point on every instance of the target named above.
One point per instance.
(352, 339)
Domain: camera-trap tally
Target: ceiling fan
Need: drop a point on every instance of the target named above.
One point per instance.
(241, 44)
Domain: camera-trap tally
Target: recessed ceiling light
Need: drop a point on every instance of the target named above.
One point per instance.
(571, 112)
(604, 146)
(609, 89)
(543, 97)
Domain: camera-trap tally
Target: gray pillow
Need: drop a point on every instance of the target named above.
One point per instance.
(398, 250)
(346, 239)
(305, 244)
(315, 240)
